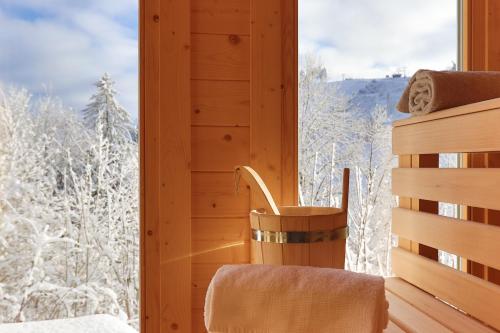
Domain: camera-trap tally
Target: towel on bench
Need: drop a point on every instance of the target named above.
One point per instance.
(294, 299)
(428, 91)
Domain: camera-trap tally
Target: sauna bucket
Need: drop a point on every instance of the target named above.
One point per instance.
(291, 235)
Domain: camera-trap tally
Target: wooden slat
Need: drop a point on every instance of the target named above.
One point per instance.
(490, 104)
(220, 17)
(220, 57)
(219, 148)
(214, 195)
(475, 241)
(476, 132)
(470, 294)
(434, 308)
(409, 318)
(220, 103)
(471, 187)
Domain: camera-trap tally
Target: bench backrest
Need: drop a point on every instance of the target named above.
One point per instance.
(473, 130)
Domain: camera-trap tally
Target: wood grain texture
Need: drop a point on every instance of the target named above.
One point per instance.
(214, 195)
(219, 148)
(220, 103)
(220, 17)
(482, 27)
(289, 58)
(409, 318)
(473, 132)
(468, 293)
(220, 57)
(174, 161)
(266, 94)
(441, 312)
(472, 187)
(452, 235)
(165, 161)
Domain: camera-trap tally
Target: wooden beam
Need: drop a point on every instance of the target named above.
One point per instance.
(165, 166)
(449, 234)
(470, 132)
(472, 187)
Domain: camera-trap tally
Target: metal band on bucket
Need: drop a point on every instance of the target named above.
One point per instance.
(283, 237)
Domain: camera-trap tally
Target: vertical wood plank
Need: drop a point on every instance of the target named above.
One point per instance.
(266, 94)
(173, 166)
(148, 115)
(404, 161)
(289, 58)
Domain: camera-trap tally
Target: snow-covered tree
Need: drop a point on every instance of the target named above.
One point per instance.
(69, 242)
(333, 134)
(105, 111)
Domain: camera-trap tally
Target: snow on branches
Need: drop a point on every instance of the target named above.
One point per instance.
(333, 134)
(69, 238)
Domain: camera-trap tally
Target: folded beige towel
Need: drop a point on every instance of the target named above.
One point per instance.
(293, 299)
(429, 91)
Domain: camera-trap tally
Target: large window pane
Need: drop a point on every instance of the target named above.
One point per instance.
(69, 169)
(355, 60)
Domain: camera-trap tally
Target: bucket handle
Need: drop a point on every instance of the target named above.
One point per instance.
(258, 188)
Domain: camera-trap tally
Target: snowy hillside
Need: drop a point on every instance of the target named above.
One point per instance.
(367, 93)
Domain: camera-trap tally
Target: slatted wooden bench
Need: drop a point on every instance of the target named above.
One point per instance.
(427, 296)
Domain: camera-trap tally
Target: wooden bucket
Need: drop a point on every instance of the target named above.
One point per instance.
(291, 235)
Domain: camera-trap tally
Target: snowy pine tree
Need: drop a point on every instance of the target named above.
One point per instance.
(104, 110)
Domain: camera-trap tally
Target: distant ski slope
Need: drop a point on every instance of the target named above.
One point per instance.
(367, 93)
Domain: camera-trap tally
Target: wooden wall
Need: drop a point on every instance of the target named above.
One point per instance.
(481, 52)
(218, 88)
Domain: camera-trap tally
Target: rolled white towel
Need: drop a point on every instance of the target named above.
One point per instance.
(294, 299)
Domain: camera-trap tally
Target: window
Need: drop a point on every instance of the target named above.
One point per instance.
(355, 60)
(69, 169)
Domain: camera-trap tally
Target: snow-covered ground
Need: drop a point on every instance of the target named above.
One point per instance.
(87, 324)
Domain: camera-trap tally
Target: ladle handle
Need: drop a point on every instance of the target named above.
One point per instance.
(258, 189)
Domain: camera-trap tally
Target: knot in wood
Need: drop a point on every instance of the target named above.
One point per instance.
(234, 39)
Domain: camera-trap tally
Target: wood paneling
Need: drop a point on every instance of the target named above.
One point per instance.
(220, 17)
(220, 103)
(441, 312)
(219, 148)
(472, 187)
(473, 295)
(452, 235)
(165, 160)
(220, 57)
(218, 89)
(214, 195)
(266, 94)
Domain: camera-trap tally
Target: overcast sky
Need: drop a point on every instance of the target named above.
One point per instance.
(373, 38)
(64, 46)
